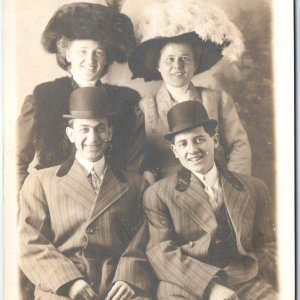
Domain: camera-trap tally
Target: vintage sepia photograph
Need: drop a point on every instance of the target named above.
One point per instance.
(148, 150)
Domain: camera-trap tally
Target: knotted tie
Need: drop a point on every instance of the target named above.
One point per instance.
(96, 182)
(213, 198)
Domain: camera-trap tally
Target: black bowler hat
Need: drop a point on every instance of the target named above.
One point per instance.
(89, 103)
(187, 115)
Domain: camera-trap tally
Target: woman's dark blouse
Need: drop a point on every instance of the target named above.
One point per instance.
(41, 127)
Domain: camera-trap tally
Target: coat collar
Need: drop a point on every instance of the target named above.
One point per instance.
(191, 191)
(75, 182)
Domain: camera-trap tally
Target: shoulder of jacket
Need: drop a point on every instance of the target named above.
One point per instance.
(209, 91)
(250, 181)
(163, 184)
(59, 82)
(146, 100)
(122, 92)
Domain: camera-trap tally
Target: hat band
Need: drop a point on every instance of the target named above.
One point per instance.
(87, 114)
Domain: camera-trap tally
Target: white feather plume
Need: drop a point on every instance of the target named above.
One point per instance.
(174, 17)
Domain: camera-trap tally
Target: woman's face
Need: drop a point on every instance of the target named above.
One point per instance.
(177, 64)
(87, 59)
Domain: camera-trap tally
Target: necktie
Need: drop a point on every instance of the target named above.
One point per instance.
(95, 181)
(211, 194)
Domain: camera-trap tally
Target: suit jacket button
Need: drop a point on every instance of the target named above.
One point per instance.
(90, 230)
(191, 244)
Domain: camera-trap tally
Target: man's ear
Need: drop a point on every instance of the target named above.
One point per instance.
(174, 150)
(69, 133)
(216, 141)
(68, 56)
(110, 133)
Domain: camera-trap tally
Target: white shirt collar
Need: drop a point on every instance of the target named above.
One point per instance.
(211, 176)
(99, 165)
(179, 94)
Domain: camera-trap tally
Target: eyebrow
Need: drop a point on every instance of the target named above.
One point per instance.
(195, 137)
(97, 125)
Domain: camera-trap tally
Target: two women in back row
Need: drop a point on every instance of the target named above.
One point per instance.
(87, 38)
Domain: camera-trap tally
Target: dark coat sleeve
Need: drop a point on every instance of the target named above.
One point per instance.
(41, 128)
(129, 131)
(26, 127)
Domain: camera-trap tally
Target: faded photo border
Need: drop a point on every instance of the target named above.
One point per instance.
(284, 134)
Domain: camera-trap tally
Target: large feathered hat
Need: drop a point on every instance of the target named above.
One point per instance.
(195, 21)
(101, 23)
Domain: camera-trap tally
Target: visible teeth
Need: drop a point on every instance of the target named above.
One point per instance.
(91, 147)
(194, 159)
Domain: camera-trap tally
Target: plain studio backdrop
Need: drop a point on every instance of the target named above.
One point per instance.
(260, 95)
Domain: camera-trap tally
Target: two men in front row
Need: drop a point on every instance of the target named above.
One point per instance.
(83, 232)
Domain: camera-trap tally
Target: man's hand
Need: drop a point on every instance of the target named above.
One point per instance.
(80, 290)
(120, 291)
(220, 292)
(149, 177)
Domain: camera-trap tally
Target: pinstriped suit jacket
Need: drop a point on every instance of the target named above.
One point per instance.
(68, 232)
(182, 224)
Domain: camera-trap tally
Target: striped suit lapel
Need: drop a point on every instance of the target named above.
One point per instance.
(111, 190)
(240, 210)
(76, 183)
(241, 213)
(195, 203)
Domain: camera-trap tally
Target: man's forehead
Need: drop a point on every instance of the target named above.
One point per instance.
(190, 133)
(90, 122)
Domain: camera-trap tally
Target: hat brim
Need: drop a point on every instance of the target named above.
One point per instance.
(209, 123)
(88, 116)
(143, 61)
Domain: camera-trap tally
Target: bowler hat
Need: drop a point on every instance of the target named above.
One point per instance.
(187, 115)
(81, 20)
(89, 103)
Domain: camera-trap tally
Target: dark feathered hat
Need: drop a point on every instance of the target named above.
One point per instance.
(91, 21)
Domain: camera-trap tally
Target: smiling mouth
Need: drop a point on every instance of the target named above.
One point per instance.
(196, 158)
(90, 68)
(92, 147)
(178, 74)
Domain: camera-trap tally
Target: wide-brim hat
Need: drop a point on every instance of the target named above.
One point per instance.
(89, 103)
(81, 20)
(144, 59)
(196, 21)
(188, 115)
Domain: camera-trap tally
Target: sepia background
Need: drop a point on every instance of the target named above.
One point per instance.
(250, 82)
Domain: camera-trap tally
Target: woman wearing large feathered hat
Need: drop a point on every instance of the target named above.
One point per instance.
(85, 38)
(177, 40)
